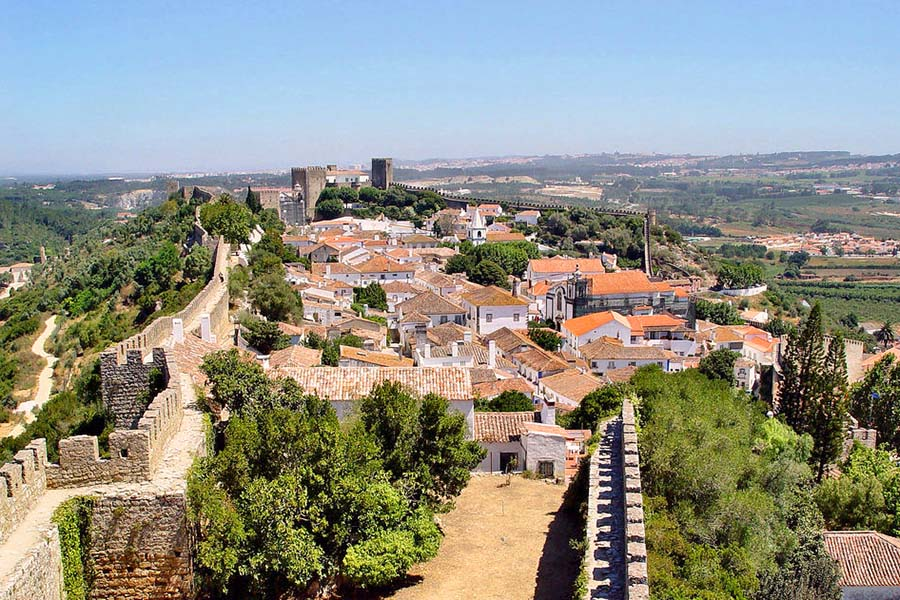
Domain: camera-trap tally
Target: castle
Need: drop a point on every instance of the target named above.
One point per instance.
(308, 182)
(140, 545)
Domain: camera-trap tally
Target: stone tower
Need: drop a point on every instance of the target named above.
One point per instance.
(382, 172)
(308, 183)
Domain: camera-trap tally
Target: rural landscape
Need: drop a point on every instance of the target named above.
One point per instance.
(636, 336)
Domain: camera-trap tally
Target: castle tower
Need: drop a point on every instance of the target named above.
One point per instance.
(382, 173)
(476, 232)
(308, 183)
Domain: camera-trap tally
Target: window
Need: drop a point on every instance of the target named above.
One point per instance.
(559, 300)
(488, 318)
(611, 364)
(545, 468)
(443, 319)
(516, 317)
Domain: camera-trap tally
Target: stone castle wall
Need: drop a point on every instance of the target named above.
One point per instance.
(141, 547)
(616, 553)
(40, 575)
(125, 385)
(22, 482)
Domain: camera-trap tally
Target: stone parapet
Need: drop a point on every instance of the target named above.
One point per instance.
(22, 483)
(616, 551)
(40, 574)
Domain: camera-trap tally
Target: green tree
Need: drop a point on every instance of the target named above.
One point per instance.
(886, 335)
(511, 256)
(159, 268)
(459, 263)
(720, 313)
(597, 405)
(292, 499)
(719, 364)
(487, 272)
(273, 297)
(421, 442)
(252, 201)
(741, 276)
(227, 218)
(265, 336)
(829, 411)
(508, 401)
(875, 401)
(372, 295)
(329, 208)
(546, 339)
(198, 262)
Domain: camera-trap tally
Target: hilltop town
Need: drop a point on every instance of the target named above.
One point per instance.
(374, 296)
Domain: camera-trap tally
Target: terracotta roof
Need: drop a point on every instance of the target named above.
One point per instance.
(379, 359)
(336, 384)
(866, 558)
(477, 351)
(540, 288)
(584, 324)
(436, 279)
(493, 296)
(295, 356)
(622, 375)
(189, 355)
(303, 329)
(501, 426)
(429, 303)
(489, 389)
(530, 213)
(505, 236)
(509, 340)
(540, 360)
(641, 322)
(446, 333)
(572, 384)
(332, 268)
(562, 264)
(623, 282)
(382, 264)
(418, 239)
(415, 317)
(877, 358)
(606, 348)
(401, 287)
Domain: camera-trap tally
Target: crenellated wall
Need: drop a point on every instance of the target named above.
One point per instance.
(22, 482)
(616, 553)
(39, 576)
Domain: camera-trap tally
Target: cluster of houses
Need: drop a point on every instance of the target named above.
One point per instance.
(444, 334)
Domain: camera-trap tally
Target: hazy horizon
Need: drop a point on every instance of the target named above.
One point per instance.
(161, 87)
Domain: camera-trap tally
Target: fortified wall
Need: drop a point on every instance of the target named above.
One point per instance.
(139, 537)
(616, 551)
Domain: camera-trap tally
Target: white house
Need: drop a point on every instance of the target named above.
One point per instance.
(567, 389)
(585, 329)
(428, 304)
(491, 308)
(529, 217)
(608, 354)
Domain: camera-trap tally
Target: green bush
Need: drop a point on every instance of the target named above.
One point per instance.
(73, 519)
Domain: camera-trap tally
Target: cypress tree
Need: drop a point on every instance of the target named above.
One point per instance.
(829, 409)
(253, 202)
(802, 363)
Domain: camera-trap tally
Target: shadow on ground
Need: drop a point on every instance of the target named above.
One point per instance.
(560, 563)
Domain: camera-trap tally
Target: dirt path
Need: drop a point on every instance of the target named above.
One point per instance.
(497, 540)
(45, 378)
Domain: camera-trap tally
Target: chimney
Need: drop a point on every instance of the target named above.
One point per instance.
(454, 349)
(177, 331)
(426, 350)
(206, 333)
(492, 354)
(327, 269)
(264, 359)
(467, 336)
(515, 287)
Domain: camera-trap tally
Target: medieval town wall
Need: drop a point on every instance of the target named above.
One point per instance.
(40, 574)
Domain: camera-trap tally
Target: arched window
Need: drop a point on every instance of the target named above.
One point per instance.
(559, 300)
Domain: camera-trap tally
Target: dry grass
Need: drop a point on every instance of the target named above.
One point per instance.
(497, 541)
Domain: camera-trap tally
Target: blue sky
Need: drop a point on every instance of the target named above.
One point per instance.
(151, 86)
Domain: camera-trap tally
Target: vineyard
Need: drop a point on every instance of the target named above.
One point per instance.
(870, 302)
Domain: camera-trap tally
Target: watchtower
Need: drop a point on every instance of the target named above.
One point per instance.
(382, 172)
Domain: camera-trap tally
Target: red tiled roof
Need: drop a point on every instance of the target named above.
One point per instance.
(489, 389)
(336, 384)
(500, 426)
(493, 296)
(429, 303)
(561, 264)
(585, 323)
(866, 558)
(295, 356)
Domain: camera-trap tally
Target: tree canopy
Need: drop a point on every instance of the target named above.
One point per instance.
(291, 498)
(227, 218)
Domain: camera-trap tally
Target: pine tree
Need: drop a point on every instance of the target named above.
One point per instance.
(829, 409)
(253, 202)
(802, 362)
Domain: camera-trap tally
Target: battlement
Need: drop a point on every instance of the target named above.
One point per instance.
(22, 482)
(616, 551)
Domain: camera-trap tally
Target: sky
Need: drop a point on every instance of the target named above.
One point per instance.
(105, 87)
